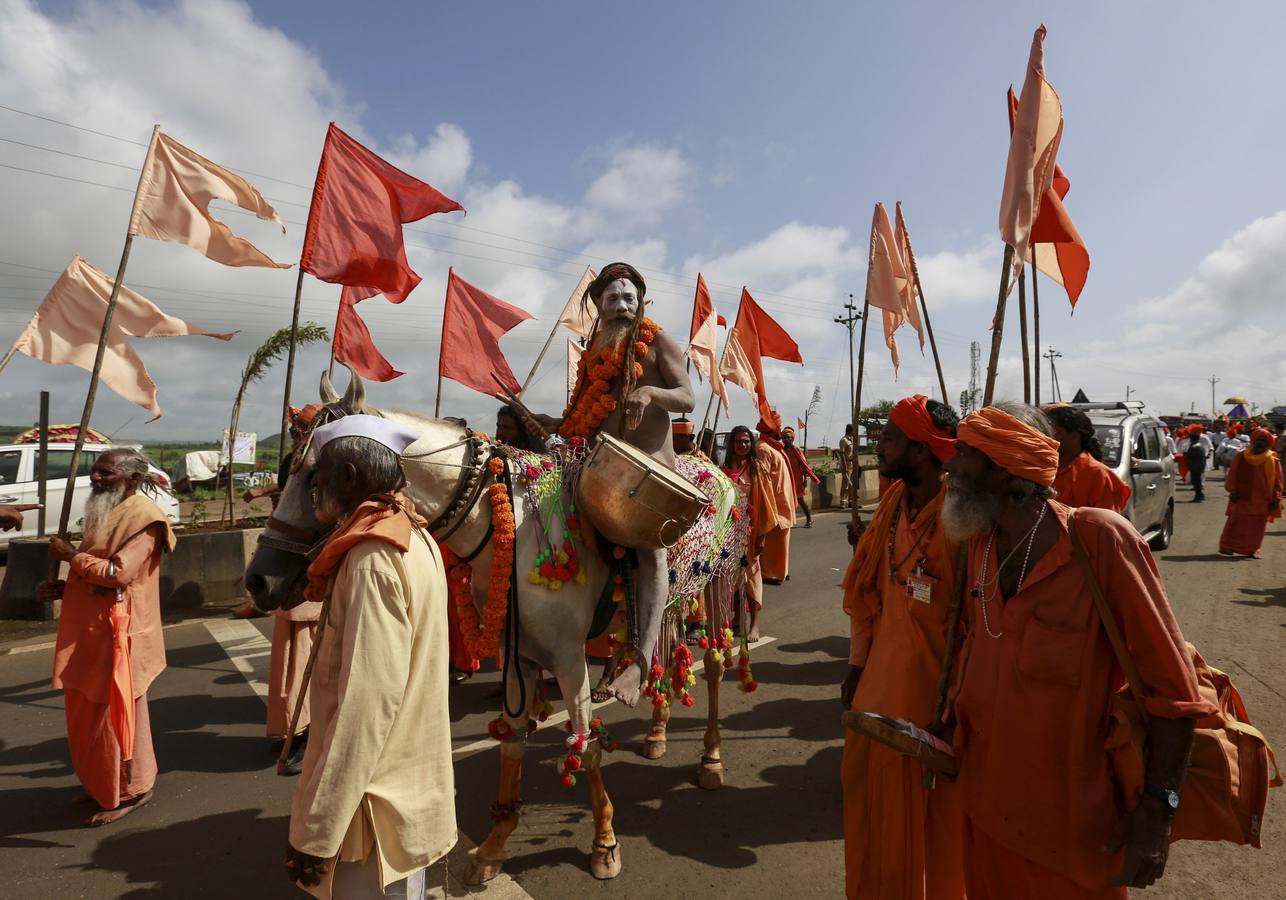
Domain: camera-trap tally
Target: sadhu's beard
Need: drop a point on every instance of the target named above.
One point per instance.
(969, 508)
(99, 506)
(613, 332)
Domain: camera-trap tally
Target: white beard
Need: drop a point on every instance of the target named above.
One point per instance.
(98, 507)
(612, 333)
(966, 510)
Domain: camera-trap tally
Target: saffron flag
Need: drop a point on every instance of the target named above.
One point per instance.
(472, 324)
(360, 203)
(352, 343)
(174, 194)
(574, 352)
(66, 328)
(911, 288)
(1033, 147)
(704, 339)
(886, 279)
(579, 316)
(754, 336)
(802, 424)
(1056, 246)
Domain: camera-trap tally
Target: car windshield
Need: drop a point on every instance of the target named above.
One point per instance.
(1110, 437)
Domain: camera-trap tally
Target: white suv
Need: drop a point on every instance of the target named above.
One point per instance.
(18, 485)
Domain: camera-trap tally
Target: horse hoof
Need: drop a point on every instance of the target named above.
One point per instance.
(605, 861)
(653, 749)
(710, 778)
(482, 870)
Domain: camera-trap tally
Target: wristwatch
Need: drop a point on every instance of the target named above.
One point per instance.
(1168, 799)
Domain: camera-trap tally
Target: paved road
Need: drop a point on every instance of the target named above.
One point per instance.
(217, 826)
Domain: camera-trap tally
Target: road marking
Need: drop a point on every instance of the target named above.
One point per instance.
(243, 642)
(49, 645)
(561, 717)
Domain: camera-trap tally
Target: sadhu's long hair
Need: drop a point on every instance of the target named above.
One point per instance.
(730, 454)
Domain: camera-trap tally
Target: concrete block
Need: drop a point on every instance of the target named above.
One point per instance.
(27, 566)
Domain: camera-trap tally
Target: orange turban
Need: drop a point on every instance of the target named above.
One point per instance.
(911, 416)
(1262, 434)
(1015, 446)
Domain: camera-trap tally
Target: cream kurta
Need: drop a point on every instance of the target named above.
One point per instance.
(377, 772)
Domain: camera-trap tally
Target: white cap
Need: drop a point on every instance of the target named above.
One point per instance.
(383, 431)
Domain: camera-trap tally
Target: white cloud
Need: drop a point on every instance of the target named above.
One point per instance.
(641, 183)
(950, 278)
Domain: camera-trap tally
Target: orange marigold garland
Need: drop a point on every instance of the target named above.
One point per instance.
(482, 637)
(592, 402)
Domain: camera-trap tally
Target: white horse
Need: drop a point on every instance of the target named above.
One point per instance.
(446, 470)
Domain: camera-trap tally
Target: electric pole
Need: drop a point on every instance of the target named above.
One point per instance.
(1056, 389)
(1127, 393)
(1214, 410)
(849, 321)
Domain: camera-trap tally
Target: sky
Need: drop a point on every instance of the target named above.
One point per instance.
(747, 142)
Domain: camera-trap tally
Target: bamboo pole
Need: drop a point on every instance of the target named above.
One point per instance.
(8, 356)
(998, 328)
(1035, 321)
(924, 311)
(334, 336)
(553, 332)
(1022, 333)
(74, 465)
(854, 484)
(290, 366)
(42, 464)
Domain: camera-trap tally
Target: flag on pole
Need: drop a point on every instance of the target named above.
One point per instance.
(360, 203)
(174, 194)
(472, 324)
(800, 423)
(1063, 255)
(754, 336)
(577, 316)
(352, 343)
(703, 341)
(910, 289)
(1033, 147)
(574, 352)
(886, 279)
(66, 328)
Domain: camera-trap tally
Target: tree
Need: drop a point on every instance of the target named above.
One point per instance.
(875, 413)
(257, 366)
(813, 405)
(969, 401)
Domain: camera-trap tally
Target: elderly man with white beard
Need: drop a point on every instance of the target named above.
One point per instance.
(118, 562)
(1042, 816)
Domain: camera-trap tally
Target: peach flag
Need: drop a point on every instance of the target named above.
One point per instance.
(174, 194)
(886, 279)
(66, 328)
(574, 352)
(580, 319)
(1033, 148)
(910, 289)
(704, 339)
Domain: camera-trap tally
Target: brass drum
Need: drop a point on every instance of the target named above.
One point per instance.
(635, 501)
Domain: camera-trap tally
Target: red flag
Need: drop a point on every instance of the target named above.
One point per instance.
(352, 342)
(1063, 255)
(472, 323)
(360, 203)
(754, 336)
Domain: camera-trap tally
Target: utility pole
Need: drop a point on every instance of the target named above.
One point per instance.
(969, 399)
(1214, 410)
(849, 321)
(1127, 393)
(1055, 389)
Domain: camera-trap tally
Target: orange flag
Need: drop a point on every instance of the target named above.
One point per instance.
(579, 318)
(352, 343)
(910, 289)
(66, 327)
(1056, 248)
(754, 336)
(886, 279)
(174, 194)
(1033, 146)
(704, 339)
(472, 324)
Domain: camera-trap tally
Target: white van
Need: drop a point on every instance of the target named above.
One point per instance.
(18, 485)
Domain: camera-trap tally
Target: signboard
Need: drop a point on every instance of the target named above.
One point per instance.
(243, 449)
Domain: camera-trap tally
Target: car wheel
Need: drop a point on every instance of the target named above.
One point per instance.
(1162, 539)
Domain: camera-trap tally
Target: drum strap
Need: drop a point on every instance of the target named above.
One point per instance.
(629, 563)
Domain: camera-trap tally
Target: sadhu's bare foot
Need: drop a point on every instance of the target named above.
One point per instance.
(108, 816)
(627, 686)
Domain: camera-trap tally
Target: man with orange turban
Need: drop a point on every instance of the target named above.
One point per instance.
(901, 842)
(1082, 479)
(1042, 817)
(771, 453)
(1254, 486)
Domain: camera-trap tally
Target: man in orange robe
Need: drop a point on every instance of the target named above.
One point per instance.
(1042, 812)
(775, 557)
(1083, 479)
(118, 561)
(901, 842)
(1254, 486)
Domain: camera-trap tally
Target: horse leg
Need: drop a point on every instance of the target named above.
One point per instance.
(710, 775)
(489, 858)
(654, 745)
(605, 856)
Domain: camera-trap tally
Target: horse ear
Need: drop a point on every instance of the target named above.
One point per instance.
(327, 390)
(355, 397)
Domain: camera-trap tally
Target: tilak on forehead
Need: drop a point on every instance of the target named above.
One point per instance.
(617, 271)
(1015, 446)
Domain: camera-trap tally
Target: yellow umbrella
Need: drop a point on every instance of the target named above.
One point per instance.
(1231, 400)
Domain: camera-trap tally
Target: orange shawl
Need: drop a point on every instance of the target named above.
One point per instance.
(870, 550)
(381, 517)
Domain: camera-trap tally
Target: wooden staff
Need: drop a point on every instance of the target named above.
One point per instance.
(529, 421)
(1035, 321)
(74, 465)
(998, 327)
(1022, 333)
(854, 484)
(958, 590)
(924, 311)
(289, 741)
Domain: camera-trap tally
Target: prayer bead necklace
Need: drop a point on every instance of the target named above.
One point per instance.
(923, 538)
(980, 589)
